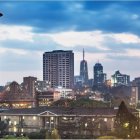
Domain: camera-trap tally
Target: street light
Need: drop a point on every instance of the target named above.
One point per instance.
(1, 14)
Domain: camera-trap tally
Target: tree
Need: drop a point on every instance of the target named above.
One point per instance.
(80, 103)
(125, 123)
(4, 126)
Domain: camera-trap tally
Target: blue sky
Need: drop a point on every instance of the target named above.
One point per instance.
(108, 30)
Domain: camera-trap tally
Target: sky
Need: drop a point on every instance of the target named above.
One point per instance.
(109, 31)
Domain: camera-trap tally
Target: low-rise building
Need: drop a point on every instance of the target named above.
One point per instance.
(14, 97)
(134, 96)
(66, 120)
(46, 98)
(64, 92)
(42, 85)
(98, 96)
(69, 121)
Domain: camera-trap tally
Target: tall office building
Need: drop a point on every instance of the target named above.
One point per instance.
(84, 69)
(119, 79)
(99, 76)
(58, 68)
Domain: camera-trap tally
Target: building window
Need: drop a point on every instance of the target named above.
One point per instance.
(64, 118)
(9, 122)
(15, 122)
(15, 129)
(105, 119)
(34, 117)
(133, 89)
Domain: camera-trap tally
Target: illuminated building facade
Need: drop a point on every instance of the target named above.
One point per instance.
(46, 98)
(136, 83)
(42, 85)
(99, 76)
(64, 93)
(13, 96)
(134, 96)
(58, 68)
(120, 79)
(69, 119)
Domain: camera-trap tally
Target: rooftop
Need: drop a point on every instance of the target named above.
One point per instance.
(61, 111)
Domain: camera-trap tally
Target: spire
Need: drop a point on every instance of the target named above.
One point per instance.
(83, 54)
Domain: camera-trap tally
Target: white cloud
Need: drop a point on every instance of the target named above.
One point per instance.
(15, 32)
(15, 51)
(126, 38)
(35, 44)
(135, 16)
(19, 51)
(2, 50)
(133, 52)
(73, 38)
(7, 76)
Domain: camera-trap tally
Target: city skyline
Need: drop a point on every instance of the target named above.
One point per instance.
(108, 31)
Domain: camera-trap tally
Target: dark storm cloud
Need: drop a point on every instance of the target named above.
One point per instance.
(47, 16)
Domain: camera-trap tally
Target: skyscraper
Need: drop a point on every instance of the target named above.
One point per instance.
(84, 69)
(99, 76)
(119, 79)
(58, 68)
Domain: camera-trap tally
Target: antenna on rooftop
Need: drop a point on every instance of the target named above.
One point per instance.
(83, 54)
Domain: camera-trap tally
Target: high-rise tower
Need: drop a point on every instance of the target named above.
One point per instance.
(119, 79)
(84, 69)
(99, 76)
(58, 68)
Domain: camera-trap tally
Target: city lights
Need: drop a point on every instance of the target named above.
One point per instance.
(70, 71)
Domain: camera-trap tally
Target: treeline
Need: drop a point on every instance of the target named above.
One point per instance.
(80, 103)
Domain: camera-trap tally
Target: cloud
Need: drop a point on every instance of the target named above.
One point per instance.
(48, 16)
(22, 37)
(20, 33)
(98, 45)
(14, 60)
(73, 38)
(126, 38)
(9, 76)
(109, 32)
